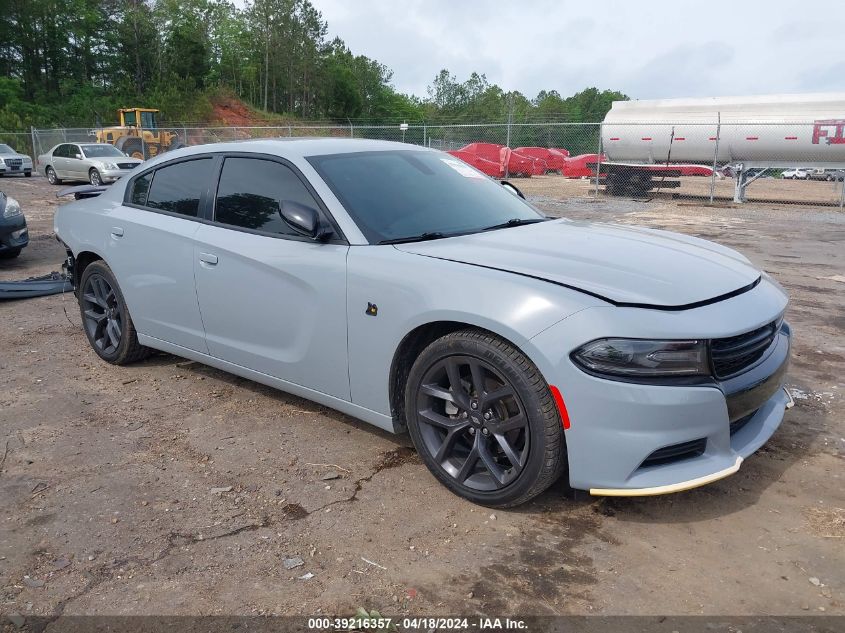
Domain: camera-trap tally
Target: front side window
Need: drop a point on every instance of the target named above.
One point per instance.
(73, 151)
(252, 191)
(178, 188)
(393, 195)
(60, 151)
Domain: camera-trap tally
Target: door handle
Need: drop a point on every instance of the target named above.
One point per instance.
(208, 258)
(116, 231)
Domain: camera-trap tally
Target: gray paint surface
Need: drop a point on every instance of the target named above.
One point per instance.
(290, 313)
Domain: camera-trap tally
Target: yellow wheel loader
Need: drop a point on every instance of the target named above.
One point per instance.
(138, 134)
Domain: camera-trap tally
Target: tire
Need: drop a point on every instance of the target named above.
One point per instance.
(136, 149)
(94, 177)
(28, 174)
(52, 178)
(11, 253)
(105, 317)
(498, 451)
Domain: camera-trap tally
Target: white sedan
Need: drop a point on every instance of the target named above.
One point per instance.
(96, 163)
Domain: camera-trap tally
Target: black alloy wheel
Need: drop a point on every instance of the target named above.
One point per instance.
(105, 317)
(483, 419)
(473, 423)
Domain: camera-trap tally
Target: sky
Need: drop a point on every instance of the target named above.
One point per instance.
(648, 49)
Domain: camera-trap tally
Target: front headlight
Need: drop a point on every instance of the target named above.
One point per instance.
(643, 358)
(13, 209)
(1, 161)
(109, 166)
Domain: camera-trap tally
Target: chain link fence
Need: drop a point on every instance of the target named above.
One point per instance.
(790, 163)
(21, 142)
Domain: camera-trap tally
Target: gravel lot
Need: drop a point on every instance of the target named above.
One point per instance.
(168, 487)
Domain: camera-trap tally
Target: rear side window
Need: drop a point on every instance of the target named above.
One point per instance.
(140, 187)
(178, 188)
(251, 193)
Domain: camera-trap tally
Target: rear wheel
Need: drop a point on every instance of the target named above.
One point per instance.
(52, 178)
(483, 419)
(106, 318)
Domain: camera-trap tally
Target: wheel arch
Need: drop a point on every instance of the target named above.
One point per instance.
(81, 261)
(417, 339)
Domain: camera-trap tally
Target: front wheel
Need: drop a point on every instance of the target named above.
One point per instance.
(483, 419)
(94, 178)
(106, 318)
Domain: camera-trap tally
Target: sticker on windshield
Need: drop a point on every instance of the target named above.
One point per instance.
(462, 168)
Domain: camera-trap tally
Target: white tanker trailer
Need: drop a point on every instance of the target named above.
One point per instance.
(642, 140)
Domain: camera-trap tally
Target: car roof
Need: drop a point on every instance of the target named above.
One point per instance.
(299, 147)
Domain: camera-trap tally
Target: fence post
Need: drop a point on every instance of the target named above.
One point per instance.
(715, 155)
(842, 195)
(424, 131)
(598, 160)
(35, 152)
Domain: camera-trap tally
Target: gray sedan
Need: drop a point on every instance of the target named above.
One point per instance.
(401, 286)
(97, 163)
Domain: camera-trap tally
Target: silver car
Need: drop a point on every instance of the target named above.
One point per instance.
(403, 287)
(97, 163)
(12, 163)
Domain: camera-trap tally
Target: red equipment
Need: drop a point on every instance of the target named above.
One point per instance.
(488, 167)
(553, 159)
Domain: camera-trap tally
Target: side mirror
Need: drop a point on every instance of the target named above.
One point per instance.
(304, 220)
(511, 188)
(78, 156)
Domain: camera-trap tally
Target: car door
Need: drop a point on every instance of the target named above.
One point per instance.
(271, 300)
(151, 249)
(76, 167)
(59, 160)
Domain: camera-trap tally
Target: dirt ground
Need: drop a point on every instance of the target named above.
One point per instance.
(168, 487)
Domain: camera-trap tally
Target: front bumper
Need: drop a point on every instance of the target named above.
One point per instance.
(13, 234)
(111, 175)
(11, 171)
(644, 439)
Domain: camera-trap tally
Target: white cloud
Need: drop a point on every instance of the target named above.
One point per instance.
(648, 49)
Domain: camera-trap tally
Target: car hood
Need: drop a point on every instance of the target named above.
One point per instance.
(624, 265)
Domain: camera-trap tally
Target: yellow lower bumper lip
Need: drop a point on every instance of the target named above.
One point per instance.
(670, 488)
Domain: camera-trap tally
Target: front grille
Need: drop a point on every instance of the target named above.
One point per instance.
(733, 354)
(13, 162)
(127, 165)
(675, 453)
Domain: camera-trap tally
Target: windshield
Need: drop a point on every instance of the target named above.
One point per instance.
(101, 150)
(401, 194)
(5, 149)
